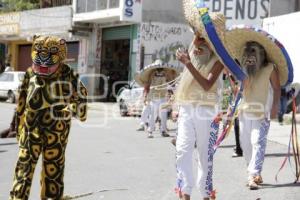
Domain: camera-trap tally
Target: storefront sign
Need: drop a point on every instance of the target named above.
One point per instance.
(9, 23)
(131, 10)
(249, 12)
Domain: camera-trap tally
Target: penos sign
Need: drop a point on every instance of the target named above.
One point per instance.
(248, 12)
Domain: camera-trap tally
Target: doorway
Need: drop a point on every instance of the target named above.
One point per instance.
(115, 66)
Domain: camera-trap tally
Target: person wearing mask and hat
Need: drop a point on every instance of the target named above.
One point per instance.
(155, 78)
(198, 95)
(50, 94)
(262, 59)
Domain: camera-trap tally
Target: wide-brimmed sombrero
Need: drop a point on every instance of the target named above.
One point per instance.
(211, 26)
(143, 76)
(238, 36)
(193, 17)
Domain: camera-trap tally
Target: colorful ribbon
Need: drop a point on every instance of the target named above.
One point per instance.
(217, 43)
(232, 114)
(294, 145)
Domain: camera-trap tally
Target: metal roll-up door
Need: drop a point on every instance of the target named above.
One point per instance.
(117, 33)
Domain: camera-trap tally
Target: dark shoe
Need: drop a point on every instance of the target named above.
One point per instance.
(237, 152)
(164, 134)
(173, 141)
(4, 133)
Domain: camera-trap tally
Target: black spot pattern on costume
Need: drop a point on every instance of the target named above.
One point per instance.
(44, 124)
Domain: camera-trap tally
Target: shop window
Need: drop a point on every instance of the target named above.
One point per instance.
(92, 5)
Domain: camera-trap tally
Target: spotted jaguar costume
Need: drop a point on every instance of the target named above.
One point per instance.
(49, 96)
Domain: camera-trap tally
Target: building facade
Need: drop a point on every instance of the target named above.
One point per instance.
(126, 36)
(111, 40)
(18, 28)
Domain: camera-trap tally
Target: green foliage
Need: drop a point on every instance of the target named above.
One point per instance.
(19, 5)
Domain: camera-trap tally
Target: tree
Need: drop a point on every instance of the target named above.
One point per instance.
(19, 5)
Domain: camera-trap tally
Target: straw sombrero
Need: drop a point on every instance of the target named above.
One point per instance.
(211, 26)
(192, 15)
(237, 37)
(143, 76)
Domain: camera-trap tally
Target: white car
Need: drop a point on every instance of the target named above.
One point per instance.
(130, 99)
(9, 83)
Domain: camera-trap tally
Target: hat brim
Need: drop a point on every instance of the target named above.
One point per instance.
(143, 77)
(237, 37)
(211, 26)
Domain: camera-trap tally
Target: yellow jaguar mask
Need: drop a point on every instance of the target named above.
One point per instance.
(46, 53)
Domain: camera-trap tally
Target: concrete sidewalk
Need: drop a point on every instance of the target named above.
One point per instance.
(281, 133)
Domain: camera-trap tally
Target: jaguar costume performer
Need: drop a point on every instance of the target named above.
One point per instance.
(50, 94)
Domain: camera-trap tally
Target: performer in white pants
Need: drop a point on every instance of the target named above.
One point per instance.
(144, 121)
(145, 117)
(267, 69)
(155, 79)
(197, 96)
(157, 97)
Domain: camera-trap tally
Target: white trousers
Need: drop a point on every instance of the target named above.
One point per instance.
(195, 124)
(145, 114)
(155, 111)
(253, 138)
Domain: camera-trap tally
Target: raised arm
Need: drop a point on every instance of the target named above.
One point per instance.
(205, 82)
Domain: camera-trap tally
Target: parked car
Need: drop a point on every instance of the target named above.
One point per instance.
(9, 83)
(130, 99)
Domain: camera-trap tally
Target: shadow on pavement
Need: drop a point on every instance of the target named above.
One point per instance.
(3, 151)
(7, 144)
(277, 155)
(266, 185)
(226, 146)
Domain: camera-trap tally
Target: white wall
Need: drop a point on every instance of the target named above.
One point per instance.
(162, 40)
(286, 29)
(57, 21)
(166, 11)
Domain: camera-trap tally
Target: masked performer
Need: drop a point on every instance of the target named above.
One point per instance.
(267, 69)
(49, 96)
(155, 78)
(197, 94)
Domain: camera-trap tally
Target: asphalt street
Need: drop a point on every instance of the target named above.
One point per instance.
(108, 159)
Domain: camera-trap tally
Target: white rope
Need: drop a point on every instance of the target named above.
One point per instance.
(165, 85)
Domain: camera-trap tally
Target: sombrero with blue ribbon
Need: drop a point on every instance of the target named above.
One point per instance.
(238, 36)
(212, 27)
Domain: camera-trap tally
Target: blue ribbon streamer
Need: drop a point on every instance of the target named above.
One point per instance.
(218, 45)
